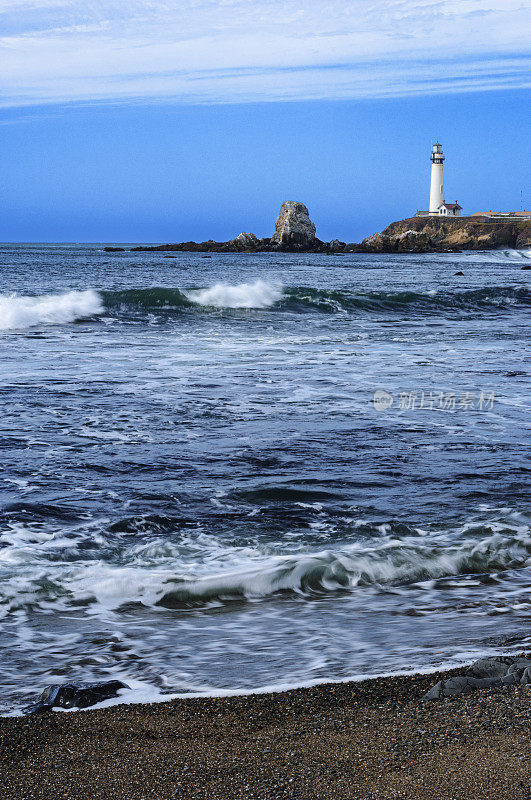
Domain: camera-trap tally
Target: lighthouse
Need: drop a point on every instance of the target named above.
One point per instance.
(437, 179)
(438, 208)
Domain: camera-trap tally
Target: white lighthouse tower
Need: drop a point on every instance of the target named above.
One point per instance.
(437, 179)
(438, 208)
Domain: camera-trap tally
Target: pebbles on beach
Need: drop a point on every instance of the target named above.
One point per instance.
(371, 740)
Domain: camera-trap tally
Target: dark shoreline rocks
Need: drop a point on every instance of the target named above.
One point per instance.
(487, 673)
(295, 233)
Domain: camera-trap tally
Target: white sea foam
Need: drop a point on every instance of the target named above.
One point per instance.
(244, 295)
(393, 562)
(23, 311)
(202, 569)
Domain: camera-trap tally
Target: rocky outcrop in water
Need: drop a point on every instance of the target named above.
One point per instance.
(245, 241)
(294, 227)
(487, 673)
(296, 233)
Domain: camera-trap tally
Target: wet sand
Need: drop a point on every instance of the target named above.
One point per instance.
(375, 739)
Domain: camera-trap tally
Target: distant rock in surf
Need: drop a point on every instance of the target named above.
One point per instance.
(114, 249)
(294, 227)
(247, 241)
(336, 246)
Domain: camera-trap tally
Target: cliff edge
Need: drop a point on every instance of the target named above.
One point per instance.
(436, 234)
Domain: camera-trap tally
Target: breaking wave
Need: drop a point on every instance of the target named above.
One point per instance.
(245, 295)
(261, 295)
(161, 573)
(393, 563)
(20, 311)
(300, 299)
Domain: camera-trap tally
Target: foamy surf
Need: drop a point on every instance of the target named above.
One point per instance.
(204, 498)
(392, 563)
(200, 570)
(21, 311)
(244, 295)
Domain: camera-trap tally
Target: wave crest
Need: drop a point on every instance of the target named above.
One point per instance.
(22, 311)
(393, 563)
(244, 295)
(19, 311)
(197, 569)
(305, 299)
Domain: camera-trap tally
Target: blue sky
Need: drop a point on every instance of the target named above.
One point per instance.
(147, 120)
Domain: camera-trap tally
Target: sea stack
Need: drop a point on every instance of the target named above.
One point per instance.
(293, 227)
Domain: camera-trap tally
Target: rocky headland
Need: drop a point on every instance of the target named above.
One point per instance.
(436, 234)
(296, 233)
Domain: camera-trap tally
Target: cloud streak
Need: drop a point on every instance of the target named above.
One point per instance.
(198, 51)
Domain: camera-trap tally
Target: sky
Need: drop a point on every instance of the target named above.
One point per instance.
(148, 120)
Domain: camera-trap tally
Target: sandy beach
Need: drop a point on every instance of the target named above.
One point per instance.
(375, 739)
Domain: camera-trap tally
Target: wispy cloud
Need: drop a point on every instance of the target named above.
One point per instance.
(248, 50)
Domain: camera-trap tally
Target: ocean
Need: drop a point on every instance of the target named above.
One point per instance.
(232, 472)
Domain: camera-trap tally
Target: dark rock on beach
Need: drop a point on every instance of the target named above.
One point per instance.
(75, 695)
(484, 674)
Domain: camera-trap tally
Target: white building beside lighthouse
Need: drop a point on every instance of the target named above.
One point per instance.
(438, 208)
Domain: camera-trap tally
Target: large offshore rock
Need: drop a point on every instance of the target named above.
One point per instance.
(294, 227)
